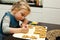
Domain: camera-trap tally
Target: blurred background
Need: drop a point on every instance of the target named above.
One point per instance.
(47, 11)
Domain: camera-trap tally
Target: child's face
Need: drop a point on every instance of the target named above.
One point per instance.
(20, 15)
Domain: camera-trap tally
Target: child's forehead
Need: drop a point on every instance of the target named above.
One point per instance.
(23, 10)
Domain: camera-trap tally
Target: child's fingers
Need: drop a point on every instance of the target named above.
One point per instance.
(25, 30)
(25, 26)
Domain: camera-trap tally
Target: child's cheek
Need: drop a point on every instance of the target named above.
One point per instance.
(16, 16)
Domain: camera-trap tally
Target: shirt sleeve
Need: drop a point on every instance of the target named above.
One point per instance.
(5, 25)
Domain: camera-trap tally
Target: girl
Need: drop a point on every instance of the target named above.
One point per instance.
(10, 21)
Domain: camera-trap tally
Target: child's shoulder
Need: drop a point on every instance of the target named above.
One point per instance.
(7, 13)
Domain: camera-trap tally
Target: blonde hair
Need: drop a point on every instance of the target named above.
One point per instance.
(19, 5)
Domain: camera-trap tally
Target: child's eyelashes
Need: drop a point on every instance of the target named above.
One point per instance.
(22, 14)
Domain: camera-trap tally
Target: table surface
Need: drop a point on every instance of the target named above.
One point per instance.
(50, 27)
(13, 38)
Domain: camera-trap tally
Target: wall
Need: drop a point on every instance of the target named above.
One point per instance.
(51, 11)
(51, 3)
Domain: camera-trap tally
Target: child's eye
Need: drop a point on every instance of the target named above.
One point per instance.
(22, 14)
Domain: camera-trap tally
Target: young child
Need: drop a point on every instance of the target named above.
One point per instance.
(10, 21)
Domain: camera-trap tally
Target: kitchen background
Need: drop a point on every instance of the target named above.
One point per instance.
(50, 13)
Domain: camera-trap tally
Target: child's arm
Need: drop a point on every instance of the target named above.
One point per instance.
(18, 30)
(6, 29)
(25, 22)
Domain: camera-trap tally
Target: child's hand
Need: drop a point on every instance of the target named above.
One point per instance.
(24, 25)
(24, 29)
